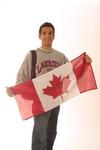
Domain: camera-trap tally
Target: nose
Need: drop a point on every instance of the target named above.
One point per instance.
(47, 35)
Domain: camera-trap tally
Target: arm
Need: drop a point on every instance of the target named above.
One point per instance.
(23, 74)
(64, 59)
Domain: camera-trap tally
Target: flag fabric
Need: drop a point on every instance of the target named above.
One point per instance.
(51, 89)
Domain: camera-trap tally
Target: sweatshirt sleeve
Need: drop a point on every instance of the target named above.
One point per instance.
(24, 72)
(64, 59)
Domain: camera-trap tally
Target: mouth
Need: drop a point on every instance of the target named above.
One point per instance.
(49, 40)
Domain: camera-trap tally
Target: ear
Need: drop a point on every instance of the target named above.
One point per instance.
(39, 36)
(54, 36)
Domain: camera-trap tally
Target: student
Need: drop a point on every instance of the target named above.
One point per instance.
(47, 58)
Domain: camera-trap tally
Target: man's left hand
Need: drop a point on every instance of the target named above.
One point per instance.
(88, 59)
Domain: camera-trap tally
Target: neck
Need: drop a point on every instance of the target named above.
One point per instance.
(46, 46)
(46, 49)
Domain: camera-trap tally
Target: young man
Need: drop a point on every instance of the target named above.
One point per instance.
(45, 125)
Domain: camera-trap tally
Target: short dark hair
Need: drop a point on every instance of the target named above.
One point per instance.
(46, 24)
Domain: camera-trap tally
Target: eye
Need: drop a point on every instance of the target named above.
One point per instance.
(50, 33)
(44, 33)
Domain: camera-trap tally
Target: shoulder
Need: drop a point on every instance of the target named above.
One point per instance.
(29, 54)
(27, 57)
(59, 53)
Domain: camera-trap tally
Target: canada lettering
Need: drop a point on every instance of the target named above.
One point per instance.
(46, 64)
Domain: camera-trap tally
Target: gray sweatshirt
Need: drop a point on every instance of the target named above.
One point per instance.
(46, 61)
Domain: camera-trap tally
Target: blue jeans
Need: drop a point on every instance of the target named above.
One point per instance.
(45, 130)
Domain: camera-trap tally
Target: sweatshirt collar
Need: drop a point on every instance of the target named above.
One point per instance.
(46, 50)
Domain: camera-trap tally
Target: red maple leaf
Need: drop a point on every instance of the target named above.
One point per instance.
(58, 86)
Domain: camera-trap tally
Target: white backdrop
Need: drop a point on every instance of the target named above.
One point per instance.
(77, 24)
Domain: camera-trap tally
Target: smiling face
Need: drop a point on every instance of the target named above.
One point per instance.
(46, 36)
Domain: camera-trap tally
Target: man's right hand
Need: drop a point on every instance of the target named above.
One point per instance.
(9, 92)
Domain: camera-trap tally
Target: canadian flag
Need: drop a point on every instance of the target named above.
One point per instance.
(49, 90)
